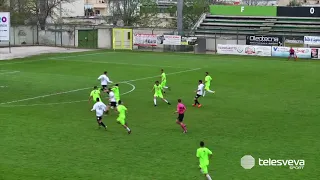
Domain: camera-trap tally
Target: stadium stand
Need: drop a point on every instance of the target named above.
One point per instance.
(262, 25)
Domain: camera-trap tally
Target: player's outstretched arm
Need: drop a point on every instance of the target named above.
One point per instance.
(108, 80)
(90, 98)
(93, 108)
(152, 90)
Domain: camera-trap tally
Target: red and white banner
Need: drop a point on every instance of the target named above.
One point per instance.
(145, 40)
(171, 40)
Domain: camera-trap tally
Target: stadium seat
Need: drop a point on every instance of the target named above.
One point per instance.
(263, 25)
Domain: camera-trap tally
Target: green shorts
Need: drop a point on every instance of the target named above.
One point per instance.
(159, 95)
(204, 169)
(121, 120)
(163, 83)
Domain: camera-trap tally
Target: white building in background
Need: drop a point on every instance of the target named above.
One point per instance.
(72, 8)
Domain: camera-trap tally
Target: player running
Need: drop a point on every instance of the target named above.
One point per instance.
(292, 54)
(181, 108)
(104, 79)
(204, 154)
(164, 81)
(116, 91)
(207, 82)
(157, 88)
(95, 93)
(199, 92)
(122, 116)
(100, 108)
(112, 100)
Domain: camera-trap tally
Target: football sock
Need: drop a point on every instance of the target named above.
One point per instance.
(196, 102)
(208, 177)
(204, 93)
(166, 87)
(128, 129)
(165, 100)
(155, 101)
(183, 126)
(210, 91)
(102, 124)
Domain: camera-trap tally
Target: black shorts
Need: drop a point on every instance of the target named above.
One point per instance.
(99, 118)
(113, 104)
(197, 96)
(291, 54)
(104, 87)
(180, 117)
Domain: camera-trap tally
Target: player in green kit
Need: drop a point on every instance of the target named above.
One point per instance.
(116, 91)
(207, 82)
(204, 154)
(157, 88)
(95, 93)
(122, 116)
(164, 80)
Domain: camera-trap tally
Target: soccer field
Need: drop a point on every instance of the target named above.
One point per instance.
(264, 107)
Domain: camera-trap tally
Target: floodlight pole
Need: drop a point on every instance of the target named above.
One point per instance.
(180, 16)
(60, 7)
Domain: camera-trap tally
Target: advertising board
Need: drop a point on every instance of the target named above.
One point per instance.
(315, 53)
(171, 40)
(264, 40)
(279, 51)
(145, 40)
(244, 50)
(312, 40)
(4, 26)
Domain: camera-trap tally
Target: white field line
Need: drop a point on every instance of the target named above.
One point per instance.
(150, 77)
(71, 56)
(3, 86)
(75, 90)
(9, 72)
(129, 64)
(43, 96)
(68, 102)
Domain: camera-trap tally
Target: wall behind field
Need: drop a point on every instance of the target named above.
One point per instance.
(67, 36)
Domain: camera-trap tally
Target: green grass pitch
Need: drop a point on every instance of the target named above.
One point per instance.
(265, 107)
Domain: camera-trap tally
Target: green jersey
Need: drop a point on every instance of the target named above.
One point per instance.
(207, 80)
(203, 155)
(122, 110)
(116, 91)
(95, 94)
(157, 89)
(163, 77)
